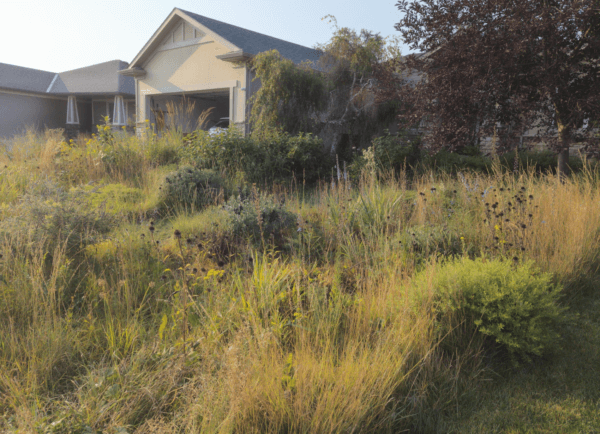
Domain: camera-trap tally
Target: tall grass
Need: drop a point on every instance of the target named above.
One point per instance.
(214, 332)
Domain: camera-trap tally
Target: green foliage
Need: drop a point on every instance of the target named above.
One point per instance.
(273, 157)
(284, 155)
(191, 187)
(287, 96)
(113, 198)
(162, 152)
(422, 242)
(517, 306)
(49, 213)
(470, 158)
(260, 217)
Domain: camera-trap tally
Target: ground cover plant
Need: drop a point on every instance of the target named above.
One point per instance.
(129, 303)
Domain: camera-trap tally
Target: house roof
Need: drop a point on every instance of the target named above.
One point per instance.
(26, 79)
(243, 43)
(253, 42)
(102, 78)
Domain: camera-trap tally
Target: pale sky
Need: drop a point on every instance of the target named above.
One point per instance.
(61, 35)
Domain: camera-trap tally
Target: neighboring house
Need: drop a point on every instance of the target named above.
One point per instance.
(75, 100)
(191, 56)
(205, 60)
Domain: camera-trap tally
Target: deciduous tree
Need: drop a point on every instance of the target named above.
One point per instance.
(498, 67)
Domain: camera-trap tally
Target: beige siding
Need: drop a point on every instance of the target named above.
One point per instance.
(18, 111)
(192, 69)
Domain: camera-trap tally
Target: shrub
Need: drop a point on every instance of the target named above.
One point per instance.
(191, 187)
(389, 152)
(452, 162)
(517, 306)
(302, 155)
(260, 217)
(273, 157)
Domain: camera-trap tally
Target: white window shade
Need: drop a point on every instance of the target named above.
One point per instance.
(72, 115)
(119, 111)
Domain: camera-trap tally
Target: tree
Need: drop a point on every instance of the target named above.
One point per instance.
(288, 94)
(498, 67)
(330, 98)
(347, 63)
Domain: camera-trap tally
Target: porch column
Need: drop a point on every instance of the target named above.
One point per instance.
(72, 115)
(119, 112)
(72, 127)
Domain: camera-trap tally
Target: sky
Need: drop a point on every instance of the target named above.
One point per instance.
(61, 35)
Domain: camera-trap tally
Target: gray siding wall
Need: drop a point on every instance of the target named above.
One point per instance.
(17, 112)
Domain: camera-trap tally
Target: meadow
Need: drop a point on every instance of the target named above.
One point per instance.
(163, 285)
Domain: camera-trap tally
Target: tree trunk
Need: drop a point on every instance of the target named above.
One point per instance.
(564, 139)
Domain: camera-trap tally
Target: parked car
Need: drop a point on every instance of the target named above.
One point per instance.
(219, 127)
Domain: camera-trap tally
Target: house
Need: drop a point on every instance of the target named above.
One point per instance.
(203, 62)
(75, 100)
(190, 59)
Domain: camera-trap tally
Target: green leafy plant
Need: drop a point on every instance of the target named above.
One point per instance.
(260, 217)
(515, 305)
(191, 187)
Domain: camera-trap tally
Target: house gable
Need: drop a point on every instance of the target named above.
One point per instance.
(172, 34)
(182, 34)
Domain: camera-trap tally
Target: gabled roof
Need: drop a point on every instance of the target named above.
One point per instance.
(243, 43)
(102, 78)
(253, 42)
(26, 79)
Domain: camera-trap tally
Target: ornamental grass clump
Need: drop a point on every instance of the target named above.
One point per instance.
(515, 306)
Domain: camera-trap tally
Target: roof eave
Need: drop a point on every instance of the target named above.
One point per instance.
(133, 72)
(235, 56)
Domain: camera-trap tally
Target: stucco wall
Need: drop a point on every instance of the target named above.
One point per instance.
(17, 112)
(189, 69)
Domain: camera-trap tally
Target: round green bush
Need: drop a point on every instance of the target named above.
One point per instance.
(516, 305)
(191, 187)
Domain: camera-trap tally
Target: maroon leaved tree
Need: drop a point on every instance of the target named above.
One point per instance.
(498, 68)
